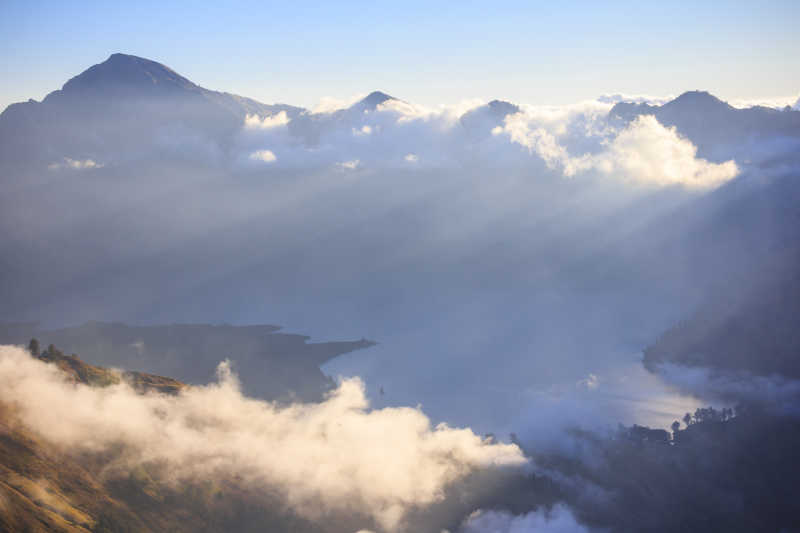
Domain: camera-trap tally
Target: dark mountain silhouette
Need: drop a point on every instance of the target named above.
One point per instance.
(127, 104)
(119, 106)
(480, 121)
(311, 126)
(751, 327)
(127, 73)
(373, 100)
(719, 130)
(721, 473)
(271, 365)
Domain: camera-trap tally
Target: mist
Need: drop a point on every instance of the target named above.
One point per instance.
(558, 520)
(444, 258)
(325, 458)
(512, 261)
(452, 236)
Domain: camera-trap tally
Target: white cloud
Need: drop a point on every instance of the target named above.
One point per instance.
(75, 164)
(544, 144)
(457, 109)
(404, 111)
(587, 118)
(590, 382)
(263, 155)
(559, 519)
(255, 122)
(349, 165)
(634, 98)
(138, 345)
(776, 391)
(777, 102)
(329, 104)
(445, 114)
(644, 152)
(570, 139)
(335, 456)
(647, 152)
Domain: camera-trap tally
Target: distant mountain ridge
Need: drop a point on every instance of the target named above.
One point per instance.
(117, 104)
(126, 98)
(125, 72)
(132, 76)
(713, 125)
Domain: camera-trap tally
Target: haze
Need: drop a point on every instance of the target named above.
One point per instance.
(547, 257)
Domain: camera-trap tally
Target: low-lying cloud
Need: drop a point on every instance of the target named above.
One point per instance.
(778, 102)
(644, 152)
(348, 165)
(335, 456)
(265, 156)
(256, 122)
(559, 519)
(569, 140)
(75, 164)
(775, 392)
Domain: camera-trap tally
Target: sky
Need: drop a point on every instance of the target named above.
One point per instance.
(428, 53)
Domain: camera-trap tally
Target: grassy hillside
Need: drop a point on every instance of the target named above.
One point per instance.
(271, 364)
(44, 487)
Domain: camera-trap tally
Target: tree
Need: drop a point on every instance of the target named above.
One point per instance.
(676, 426)
(33, 347)
(687, 419)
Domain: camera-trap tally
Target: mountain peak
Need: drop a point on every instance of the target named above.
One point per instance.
(123, 70)
(502, 108)
(697, 99)
(374, 99)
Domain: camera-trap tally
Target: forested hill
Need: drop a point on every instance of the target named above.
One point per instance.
(721, 472)
(754, 328)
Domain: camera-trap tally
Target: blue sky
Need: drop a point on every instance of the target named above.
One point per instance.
(425, 52)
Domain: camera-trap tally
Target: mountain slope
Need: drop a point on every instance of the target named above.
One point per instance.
(272, 365)
(310, 127)
(121, 105)
(46, 487)
(746, 327)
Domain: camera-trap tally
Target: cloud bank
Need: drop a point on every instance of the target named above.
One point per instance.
(775, 392)
(265, 156)
(75, 164)
(778, 102)
(335, 456)
(256, 122)
(644, 152)
(569, 140)
(559, 519)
